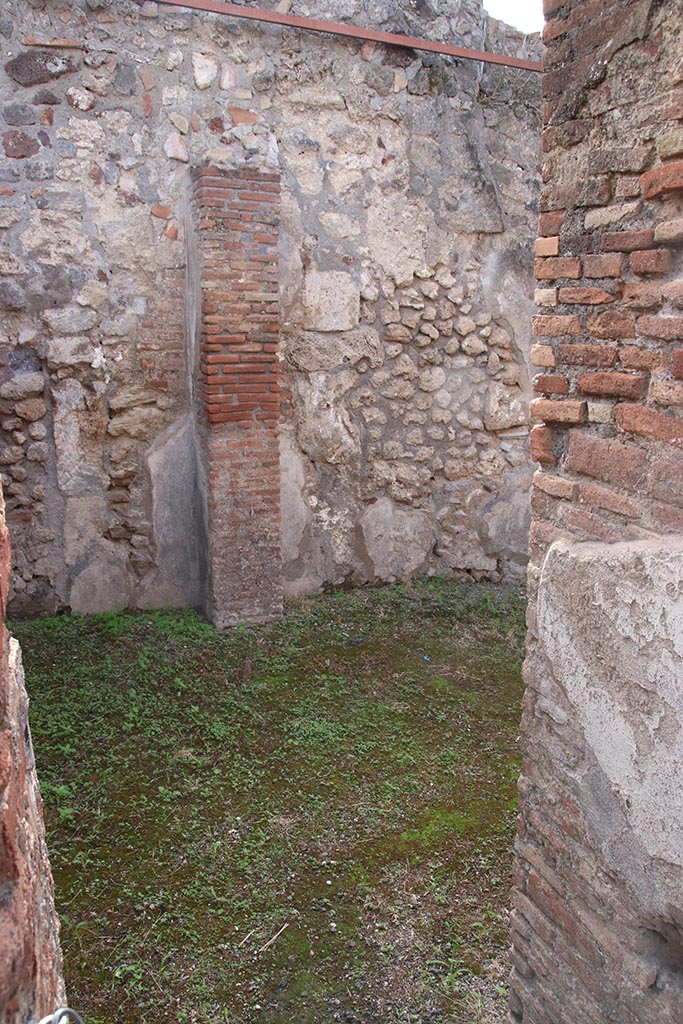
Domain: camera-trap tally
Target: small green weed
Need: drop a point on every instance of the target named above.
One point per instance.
(349, 773)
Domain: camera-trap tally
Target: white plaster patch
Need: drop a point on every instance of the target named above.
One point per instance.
(610, 622)
(331, 301)
(103, 585)
(397, 540)
(79, 463)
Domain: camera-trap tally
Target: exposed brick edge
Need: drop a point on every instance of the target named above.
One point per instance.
(31, 983)
(236, 222)
(608, 438)
(237, 215)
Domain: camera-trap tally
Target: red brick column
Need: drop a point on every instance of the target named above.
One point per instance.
(609, 441)
(609, 334)
(236, 215)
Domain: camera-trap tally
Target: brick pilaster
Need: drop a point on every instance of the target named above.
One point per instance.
(609, 442)
(236, 218)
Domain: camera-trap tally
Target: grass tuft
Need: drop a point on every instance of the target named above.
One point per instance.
(349, 773)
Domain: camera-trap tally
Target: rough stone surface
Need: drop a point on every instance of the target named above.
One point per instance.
(331, 301)
(311, 351)
(23, 385)
(395, 541)
(33, 67)
(30, 959)
(403, 296)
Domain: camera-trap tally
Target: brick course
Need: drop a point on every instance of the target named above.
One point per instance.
(611, 236)
(238, 385)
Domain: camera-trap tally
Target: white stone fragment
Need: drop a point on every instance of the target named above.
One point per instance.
(204, 69)
(79, 99)
(174, 59)
(228, 78)
(175, 148)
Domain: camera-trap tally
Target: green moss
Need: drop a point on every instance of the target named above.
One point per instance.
(349, 772)
(440, 824)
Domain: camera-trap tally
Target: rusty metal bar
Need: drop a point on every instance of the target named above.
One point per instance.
(338, 29)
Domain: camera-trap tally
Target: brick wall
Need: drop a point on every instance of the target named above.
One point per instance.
(609, 334)
(30, 960)
(588, 944)
(236, 218)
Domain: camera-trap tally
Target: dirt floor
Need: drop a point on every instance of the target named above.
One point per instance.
(305, 823)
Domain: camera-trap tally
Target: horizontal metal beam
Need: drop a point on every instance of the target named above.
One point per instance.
(339, 29)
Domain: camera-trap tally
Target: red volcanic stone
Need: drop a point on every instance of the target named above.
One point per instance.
(19, 145)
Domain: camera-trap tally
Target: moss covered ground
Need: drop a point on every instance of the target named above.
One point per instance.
(305, 822)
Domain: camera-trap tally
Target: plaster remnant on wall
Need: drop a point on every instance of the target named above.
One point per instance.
(78, 470)
(610, 623)
(172, 472)
(102, 586)
(395, 541)
(301, 561)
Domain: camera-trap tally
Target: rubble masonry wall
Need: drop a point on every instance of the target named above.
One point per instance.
(408, 211)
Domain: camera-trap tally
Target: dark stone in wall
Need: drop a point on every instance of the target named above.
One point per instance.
(34, 68)
(53, 288)
(39, 170)
(12, 295)
(46, 97)
(16, 114)
(24, 360)
(19, 145)
(125, 80)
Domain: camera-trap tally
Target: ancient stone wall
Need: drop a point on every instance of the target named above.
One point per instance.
(30, 958)
(409, 190)
(598, 923)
